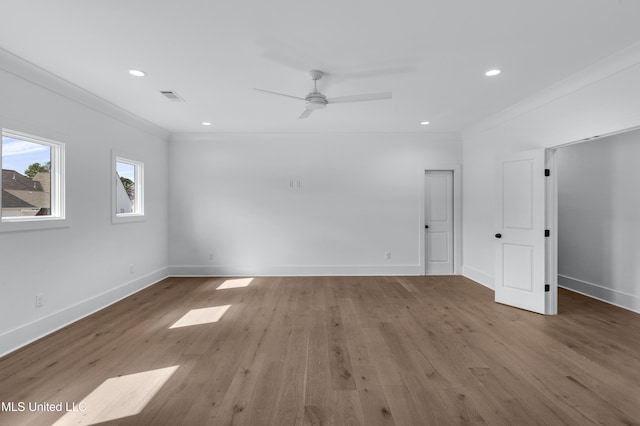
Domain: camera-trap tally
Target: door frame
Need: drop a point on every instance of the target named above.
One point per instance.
(551, 218)
(551, 243)
(551, 248)
(456, 169)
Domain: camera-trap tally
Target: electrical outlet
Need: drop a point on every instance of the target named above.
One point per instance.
(39, 300)
(387, 255)
(131, 269)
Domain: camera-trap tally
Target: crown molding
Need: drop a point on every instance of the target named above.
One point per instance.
(608, 67)
(25, 70)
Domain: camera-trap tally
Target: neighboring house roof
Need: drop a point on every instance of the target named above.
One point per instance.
(18, 191)
(10, 201)
(44, 180)
(36, 198)
(14, 180)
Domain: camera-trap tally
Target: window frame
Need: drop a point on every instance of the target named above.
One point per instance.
(57, 218)
(138, 215)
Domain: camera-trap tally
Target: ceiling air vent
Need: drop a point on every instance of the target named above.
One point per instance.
(172, 96)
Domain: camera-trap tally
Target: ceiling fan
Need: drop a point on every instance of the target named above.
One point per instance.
(316, 100)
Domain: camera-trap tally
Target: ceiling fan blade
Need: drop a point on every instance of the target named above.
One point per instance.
(305, 113)
(279, 94)
(360, 98)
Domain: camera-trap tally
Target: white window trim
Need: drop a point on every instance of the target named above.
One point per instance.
(58, 218)
(138, 216)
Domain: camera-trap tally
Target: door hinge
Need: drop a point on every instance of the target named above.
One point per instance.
(547, 172)
(547, 288)
(547, 233)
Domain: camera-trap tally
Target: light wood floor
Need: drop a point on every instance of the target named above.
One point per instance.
(334, 350)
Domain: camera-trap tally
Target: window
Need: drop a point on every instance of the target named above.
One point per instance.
(128, 189)
(32, 182)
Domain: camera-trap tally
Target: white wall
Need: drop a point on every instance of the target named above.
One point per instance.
(599, 218)
(85, 266)
(602, 99)
(360, 195)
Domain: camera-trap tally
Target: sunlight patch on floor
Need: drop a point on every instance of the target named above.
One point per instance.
(235, 283)
(201, 316)
(118, 397)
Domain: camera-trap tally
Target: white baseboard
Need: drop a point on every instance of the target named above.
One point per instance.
(27, 333)
(596, 291)
(293, 271)
(478, 276)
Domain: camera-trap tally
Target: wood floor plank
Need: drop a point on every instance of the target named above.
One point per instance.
(403, 407)
(263, 407)
(318, 390)
(341, 351)
(375, 407)
(291, 398)
(339, 356)
(463, 410)
(347, 409)
(356, 344)
(240, 392)
(388, 371)
(585, 404)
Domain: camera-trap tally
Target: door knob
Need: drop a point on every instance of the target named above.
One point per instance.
(426, 227)
(498, 235)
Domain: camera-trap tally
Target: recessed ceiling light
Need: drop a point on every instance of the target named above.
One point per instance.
(206, 123)
(493, 72)
(424, 123)
(137, 73)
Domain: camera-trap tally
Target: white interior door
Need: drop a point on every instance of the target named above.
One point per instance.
(520, 236)
(439, 221)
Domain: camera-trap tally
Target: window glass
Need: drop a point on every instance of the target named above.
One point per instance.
(128, 200)
(31, 178)
(126, 187)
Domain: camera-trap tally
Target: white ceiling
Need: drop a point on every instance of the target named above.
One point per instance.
(432, 54)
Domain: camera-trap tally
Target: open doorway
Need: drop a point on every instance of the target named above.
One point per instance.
(576, 228)
(597, 214)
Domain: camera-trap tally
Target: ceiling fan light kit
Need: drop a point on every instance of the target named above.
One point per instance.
(314, 104)
(316, 100)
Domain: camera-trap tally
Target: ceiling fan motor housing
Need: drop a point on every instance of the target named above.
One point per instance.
(316, 74)
(315, 100)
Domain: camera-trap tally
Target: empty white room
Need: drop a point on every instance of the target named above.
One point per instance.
(339, 213)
